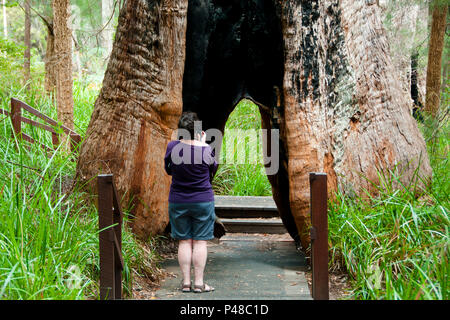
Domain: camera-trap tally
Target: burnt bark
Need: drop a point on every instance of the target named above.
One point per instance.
(319, 71)
(49, 60)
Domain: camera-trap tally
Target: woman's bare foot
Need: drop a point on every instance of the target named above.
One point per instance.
(203, 288)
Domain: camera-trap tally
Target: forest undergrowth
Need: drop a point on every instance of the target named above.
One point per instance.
(392, 246)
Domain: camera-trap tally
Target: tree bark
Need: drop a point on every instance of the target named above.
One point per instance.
(63, 61)
(138, 108)
(345, 112)
(50, 72)
(107, 21)
(435, 49)
(27, 42)
(330, 89)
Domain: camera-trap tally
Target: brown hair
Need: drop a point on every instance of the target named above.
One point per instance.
(187, 121)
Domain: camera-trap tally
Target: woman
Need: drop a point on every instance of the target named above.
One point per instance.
(192, 166)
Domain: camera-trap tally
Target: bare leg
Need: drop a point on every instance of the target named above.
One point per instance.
(185, 259)
(199, 256)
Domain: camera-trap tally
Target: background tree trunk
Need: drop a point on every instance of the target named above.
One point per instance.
(27, 42)
(401, 28)
(75, 22)
(107, 24)
(50, 72)
(138, 108)
(435, 49)
(63, 61)
(421, 36)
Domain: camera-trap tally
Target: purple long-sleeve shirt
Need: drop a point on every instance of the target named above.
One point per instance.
(191, 176)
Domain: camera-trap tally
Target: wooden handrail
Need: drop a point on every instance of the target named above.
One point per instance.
(110, 238)
(17, 119)
(3, 111)
(23, 105)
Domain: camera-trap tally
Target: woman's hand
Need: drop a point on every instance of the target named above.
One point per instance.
(203, 137)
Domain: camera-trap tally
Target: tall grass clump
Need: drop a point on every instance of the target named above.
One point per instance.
(48, 224)
(396, 245)
(249, 178)
(48, 237)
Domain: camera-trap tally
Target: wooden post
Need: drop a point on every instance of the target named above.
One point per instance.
(319, 235)
(55, 139)
(118, 261)
(16, 115)
(106, 237)
(75, 140)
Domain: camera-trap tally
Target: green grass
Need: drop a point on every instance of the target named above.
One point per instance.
(247, 179)
(393, 246)
(49, 235)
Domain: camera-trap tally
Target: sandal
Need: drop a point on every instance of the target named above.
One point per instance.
(185, 287)
(202, 288)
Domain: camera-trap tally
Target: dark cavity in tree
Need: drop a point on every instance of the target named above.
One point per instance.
(234, 50)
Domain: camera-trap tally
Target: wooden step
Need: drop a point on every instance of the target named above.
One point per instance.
(270, 226)
(245, 207)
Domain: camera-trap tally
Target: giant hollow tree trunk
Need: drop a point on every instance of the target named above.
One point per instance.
(319, 71)
(345, 112)
(138, 109)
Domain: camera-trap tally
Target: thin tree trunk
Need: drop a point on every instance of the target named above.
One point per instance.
(401, 34)
(76, 24)
(435, 49)
(27, 41)
(63, 64)
(445, 74)
(421, 36)
(5, 21)
(50, 63)
(414, 83)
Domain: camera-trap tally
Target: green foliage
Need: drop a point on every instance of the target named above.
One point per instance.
(247, 179)
(395, 246)
(49, 231)
(11, 63)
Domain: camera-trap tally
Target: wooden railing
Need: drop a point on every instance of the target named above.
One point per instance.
(110, 238)
(49, 125)
(319, 235)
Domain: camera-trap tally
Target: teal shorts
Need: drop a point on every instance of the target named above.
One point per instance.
(192, 220)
